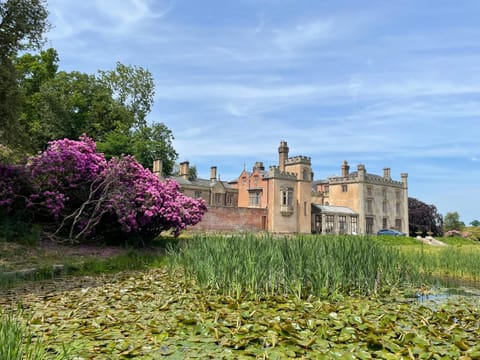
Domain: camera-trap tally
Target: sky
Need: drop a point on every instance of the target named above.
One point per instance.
(381, 83)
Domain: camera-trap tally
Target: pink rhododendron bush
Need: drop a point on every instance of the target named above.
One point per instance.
(79, 196)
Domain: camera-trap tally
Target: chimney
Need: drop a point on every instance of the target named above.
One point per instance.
(386, 174)
(213, 173)
(362, 172)
(345, 168)
(258, 166)
(282, 155)
(158, 168)
(184, 168)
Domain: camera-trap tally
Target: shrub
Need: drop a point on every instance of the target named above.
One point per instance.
(77, 195)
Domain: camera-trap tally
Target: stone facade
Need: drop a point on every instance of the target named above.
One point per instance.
(286, 199)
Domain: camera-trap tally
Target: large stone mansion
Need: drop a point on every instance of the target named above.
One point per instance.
(285, 199)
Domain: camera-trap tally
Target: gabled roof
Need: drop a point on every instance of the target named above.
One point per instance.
(198, 182)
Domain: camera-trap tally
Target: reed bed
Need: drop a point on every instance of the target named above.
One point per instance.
(462, 262)
(259, 265)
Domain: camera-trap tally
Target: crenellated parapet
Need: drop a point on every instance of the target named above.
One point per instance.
(294, 160)
(275, 172)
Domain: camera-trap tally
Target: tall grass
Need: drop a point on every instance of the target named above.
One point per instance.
(265, 264)
(16, 342)
(452, 261)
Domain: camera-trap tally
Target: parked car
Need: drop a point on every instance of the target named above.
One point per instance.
(390, 232)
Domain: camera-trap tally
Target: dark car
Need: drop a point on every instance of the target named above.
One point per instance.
(390, 232)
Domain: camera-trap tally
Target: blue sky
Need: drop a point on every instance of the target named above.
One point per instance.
(382, 83)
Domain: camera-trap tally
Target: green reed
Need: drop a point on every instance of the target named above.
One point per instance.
(461, 262)
(252, 264)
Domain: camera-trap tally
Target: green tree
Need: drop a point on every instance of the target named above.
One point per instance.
(23, 24)
(134, 88)
(452, 222)
(475, 223)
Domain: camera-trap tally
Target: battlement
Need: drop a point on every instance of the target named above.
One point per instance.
(274, 172)
(298, 160)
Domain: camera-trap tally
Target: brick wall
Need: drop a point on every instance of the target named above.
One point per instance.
(231, 219)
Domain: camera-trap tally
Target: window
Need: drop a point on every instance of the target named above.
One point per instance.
(218, 199)
(255, 180)
(398, 224)
(305, 174)
(354, 225)
(384, 193)
(286, 201)
(369, 225)
(329, 224)
(384, 223)
(198, 194)
(344, 188)
(398, 195)
(342, 224)
(229, 199)
(244, 180)
(385, 206)
(370, 205)
(369, 191)
(397, 208)
(287, 197)
(304, 208)
(254, 197)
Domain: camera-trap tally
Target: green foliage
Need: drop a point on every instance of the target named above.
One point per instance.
(303, 265)
(132, 87)
(475, 223)
(452, 222)
(14, 228)
(110, 107)
(146, 144)
(22, 26)
(155, 315)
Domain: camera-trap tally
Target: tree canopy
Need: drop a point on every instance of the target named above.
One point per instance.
(452, 222)
(110, 106)
(423, 218)
(22, 27)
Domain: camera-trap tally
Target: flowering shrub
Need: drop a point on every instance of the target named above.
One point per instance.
(74, 188)
(144, 205)
(455, 233)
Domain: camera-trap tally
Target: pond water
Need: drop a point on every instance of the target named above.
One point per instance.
(445, 288)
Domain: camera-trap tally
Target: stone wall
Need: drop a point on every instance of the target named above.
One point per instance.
(219, 218)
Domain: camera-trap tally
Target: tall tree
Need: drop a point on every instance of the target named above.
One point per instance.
(134, 88)
(423, 218)
(23, 24)
(452, 222)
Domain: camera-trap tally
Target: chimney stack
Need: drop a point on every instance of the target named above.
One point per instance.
(213, 173)
(282, 155)
(184, 169)
(386, 174)
(345, 168)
